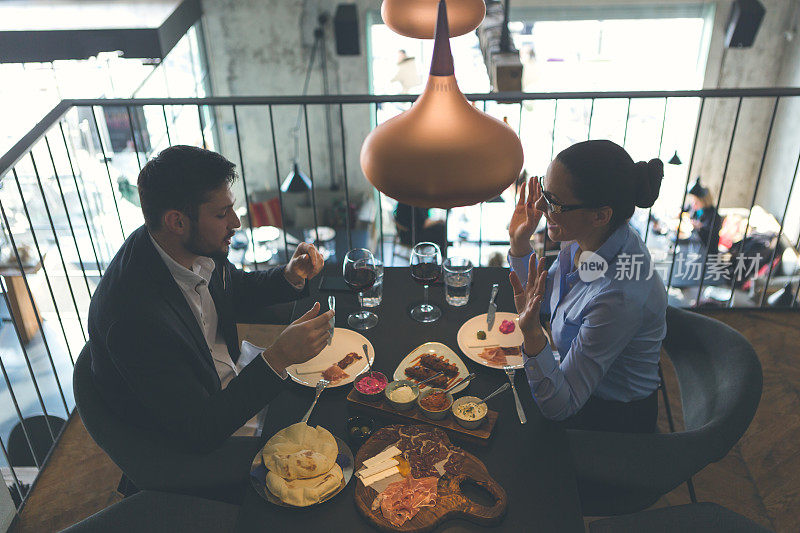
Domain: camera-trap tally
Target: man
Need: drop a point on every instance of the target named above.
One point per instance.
(162, 322)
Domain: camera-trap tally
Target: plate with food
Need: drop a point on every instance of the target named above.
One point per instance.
(409, 478)
(494, 348)
(301, 466)
(425, 361)
(339, 363)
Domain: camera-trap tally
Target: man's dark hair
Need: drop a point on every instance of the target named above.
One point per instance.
(181, 177)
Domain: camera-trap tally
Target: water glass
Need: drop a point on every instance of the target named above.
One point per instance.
(372, 297)
(457, 280)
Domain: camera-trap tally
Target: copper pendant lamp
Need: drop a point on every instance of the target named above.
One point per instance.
(443, 152)
(417, 18)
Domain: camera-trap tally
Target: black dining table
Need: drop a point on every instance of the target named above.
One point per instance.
(531, 461)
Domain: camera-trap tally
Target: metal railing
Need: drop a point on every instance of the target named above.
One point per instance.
(57, 190)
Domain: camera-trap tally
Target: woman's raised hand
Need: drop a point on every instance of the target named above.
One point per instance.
(528, 301)
(525, 218)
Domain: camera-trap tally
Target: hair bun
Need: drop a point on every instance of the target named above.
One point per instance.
(647, 177)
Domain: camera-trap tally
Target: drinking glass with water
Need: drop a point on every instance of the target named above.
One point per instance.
(457, 280)
(372, 297)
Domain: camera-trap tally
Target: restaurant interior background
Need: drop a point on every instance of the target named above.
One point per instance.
(238, 55)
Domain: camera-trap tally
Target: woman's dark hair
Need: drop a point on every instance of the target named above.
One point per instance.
(181, 177)
(603, 174)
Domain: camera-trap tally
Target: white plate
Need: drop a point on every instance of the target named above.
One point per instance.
(439, 349)
(344, 459)
(344, 342)
(469, 344)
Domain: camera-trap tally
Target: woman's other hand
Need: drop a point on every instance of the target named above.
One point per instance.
(528, 301)
(525, 218)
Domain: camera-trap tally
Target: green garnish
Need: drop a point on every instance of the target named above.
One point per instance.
(481, 335)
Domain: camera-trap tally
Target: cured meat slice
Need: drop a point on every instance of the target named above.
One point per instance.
(494, 355)
(333, 374)
(348, 360)
(454, 462)
(402, 500)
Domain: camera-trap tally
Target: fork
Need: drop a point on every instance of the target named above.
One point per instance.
(321, 384)
(520, 412)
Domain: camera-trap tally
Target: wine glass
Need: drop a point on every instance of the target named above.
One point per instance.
(426, 267)
(360, 273)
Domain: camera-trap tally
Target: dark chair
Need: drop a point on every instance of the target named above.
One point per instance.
(33, 434)
(720, 382)
(161, 512)
(705, 517)
(149, 460)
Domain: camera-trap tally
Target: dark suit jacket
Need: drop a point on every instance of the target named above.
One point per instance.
(150, 360)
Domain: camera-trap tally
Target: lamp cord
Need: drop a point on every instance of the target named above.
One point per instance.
(296, 129)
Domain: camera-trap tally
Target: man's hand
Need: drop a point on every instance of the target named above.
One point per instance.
(306, 263)
(525, 219)
(528, 301)
(301, 341)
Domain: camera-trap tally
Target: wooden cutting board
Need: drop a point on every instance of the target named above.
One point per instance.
(450, 502)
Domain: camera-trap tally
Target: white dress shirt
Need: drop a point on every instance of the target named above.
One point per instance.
(194, 286)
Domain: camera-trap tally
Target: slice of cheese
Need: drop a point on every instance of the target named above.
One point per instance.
(380, 486)
(386, 454)
(380, 467)
(368, 481)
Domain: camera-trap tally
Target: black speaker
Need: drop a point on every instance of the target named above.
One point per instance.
(345, 28)
(743, 23)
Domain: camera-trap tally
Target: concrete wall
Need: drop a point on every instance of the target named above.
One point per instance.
(781, 164)
(758, 66)
(261, 47)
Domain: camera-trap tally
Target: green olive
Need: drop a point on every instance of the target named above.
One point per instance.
(481, 335)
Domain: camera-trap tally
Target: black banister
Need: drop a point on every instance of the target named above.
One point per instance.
(755, 190)
(719, 202)
(311, 176)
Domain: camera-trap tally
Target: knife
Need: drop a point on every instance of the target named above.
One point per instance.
(492, 307)
(332, 321)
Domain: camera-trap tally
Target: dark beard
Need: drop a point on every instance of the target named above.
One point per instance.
(194, 246)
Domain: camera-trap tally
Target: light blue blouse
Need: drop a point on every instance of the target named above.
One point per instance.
(607, 331)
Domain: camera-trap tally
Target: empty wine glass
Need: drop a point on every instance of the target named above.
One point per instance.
(426, 267)
(360, 273)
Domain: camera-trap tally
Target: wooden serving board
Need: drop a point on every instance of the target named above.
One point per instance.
(382, 407)
(450, 501)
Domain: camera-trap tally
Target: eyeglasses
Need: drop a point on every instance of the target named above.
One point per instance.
(556, 207)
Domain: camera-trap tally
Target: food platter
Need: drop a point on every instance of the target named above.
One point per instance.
(435, 468)
(472, 347)
(258, 474)
(439, 349)
(345, 341)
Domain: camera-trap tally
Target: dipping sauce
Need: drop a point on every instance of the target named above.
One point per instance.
(403, 394)
(371, 383)
(471, 411)
(437, 401)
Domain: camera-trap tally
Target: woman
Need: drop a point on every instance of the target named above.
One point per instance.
(608, 327)
(706, 222)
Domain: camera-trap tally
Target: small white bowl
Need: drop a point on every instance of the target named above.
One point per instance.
(401, 406)
(431, 414)
(468, 424)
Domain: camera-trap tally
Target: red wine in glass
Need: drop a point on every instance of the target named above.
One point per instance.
(426, 267)
(360, 278)
(360, 273)
(425, 273)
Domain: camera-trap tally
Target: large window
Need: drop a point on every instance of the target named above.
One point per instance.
(569, 49)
